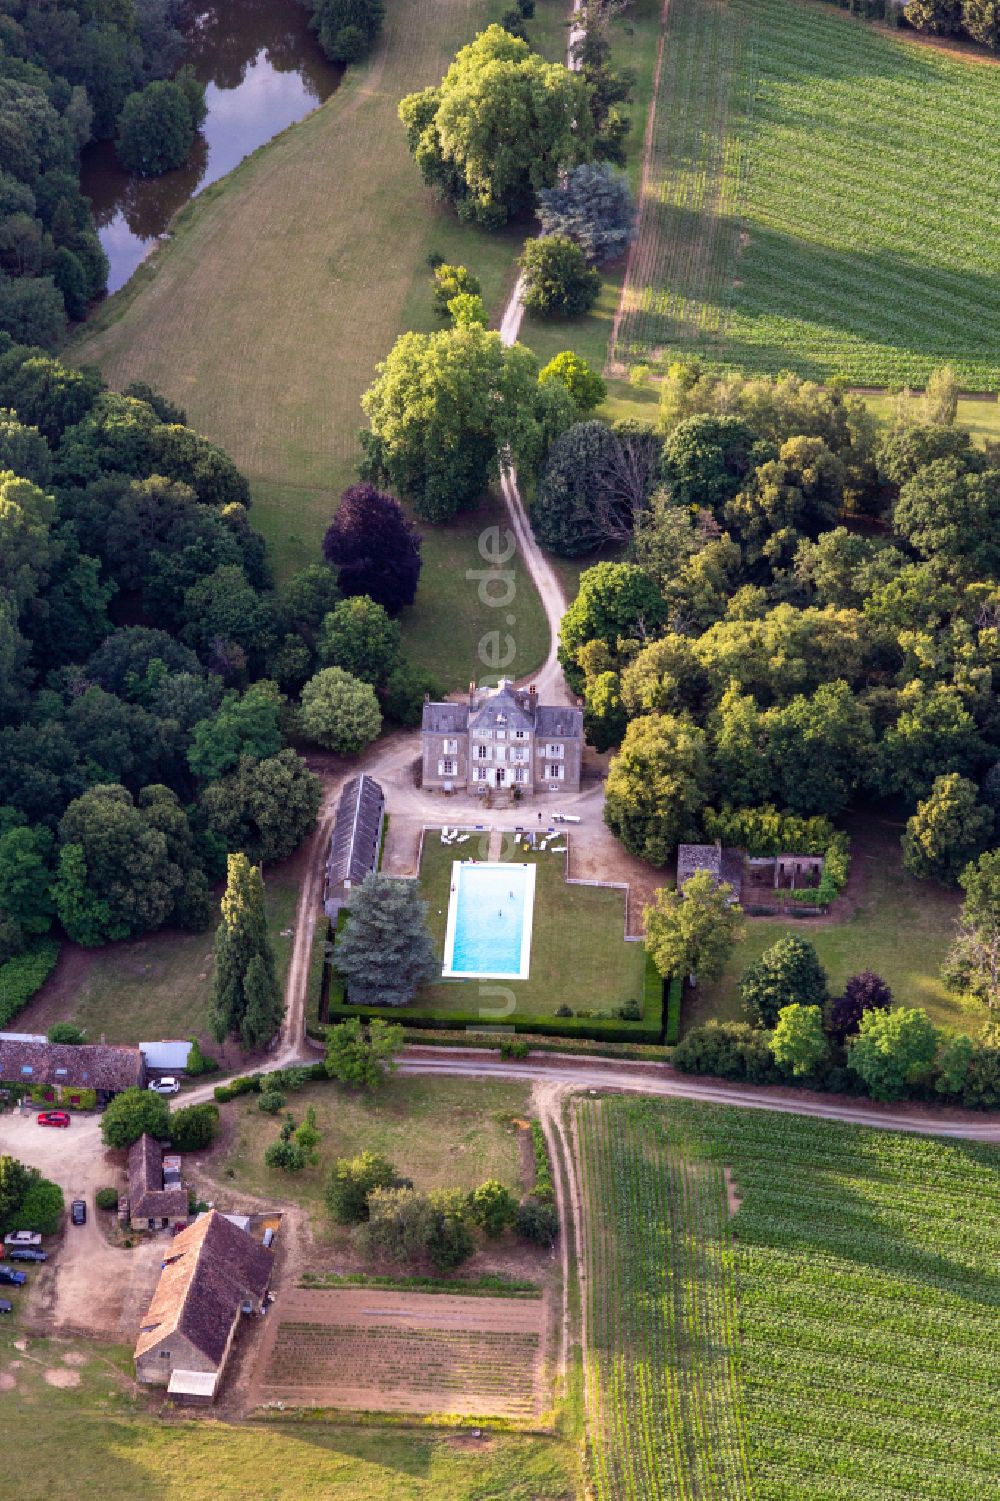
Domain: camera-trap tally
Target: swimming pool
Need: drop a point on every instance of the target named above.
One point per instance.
(489, 921)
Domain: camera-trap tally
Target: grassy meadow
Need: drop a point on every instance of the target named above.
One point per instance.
(442, 1133)
(805, 208)
(101, 1431)
(781, 1309)
(282, 287)
(159, 985)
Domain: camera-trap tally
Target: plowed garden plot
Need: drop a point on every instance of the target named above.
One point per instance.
(381, 1351)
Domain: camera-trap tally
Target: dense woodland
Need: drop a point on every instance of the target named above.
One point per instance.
(149, 670)
(810, 611)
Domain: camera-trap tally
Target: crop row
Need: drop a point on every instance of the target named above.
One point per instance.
(803, 1364)
(809, 207)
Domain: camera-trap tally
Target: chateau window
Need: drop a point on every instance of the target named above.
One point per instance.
(451, 747)
(555, 750)
(501, 734)
(520, 774)
(555, 772)
(446, 768)
(519, 734)
(482, 752)
(481, 774)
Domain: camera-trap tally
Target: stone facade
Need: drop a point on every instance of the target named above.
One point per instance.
(502, 740)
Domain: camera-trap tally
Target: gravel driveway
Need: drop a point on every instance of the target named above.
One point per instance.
(87, 1285)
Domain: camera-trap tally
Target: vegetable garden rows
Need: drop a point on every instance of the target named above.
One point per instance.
(835, 1341)
(817, 200)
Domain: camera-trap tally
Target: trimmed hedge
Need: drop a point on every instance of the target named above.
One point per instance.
(675, 995)
(262, 1083)
(21, 977)
(613, 1030)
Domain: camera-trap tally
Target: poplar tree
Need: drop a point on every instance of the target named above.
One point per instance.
(246, 999)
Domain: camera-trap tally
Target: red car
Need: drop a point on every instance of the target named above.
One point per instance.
(53, 1118)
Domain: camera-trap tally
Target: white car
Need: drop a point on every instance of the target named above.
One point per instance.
(22, 1238)
(166, 1085)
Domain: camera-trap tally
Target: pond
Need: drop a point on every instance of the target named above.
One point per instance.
(263, 70)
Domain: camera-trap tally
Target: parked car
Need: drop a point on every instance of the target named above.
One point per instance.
(167, 1085)
(78, 1212)
(6, 1306)
(22, 1238)
(53, 1118)
(27, 1253)
(11, 1275)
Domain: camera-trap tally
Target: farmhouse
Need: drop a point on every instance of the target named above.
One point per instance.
(502, 739)
(213, 1273)
(357, 835)
(83, 1075)
(152, 1202)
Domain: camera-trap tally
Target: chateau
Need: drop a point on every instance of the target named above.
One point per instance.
(504, 738)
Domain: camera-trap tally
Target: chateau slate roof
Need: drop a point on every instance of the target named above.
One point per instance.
(87, 1066)
(445, 719)
(559, 721)
(506, 707)
(212, 1267)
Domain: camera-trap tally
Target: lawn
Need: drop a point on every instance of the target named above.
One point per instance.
(442, 1133)
(115, 1449)
(901, 929)
(806, 211)
(157, 986)
(832, 1340)
(579, 957)
(285, 284)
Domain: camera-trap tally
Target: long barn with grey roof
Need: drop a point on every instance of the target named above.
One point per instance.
(357, 834)
(502, 739)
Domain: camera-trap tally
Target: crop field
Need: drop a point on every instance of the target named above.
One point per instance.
(380, 1351)
(805, 209)
(782, 1309)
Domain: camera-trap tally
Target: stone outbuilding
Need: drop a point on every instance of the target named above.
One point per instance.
(153, 1204)
(214, 1273)
(62, 1068)
(723, 865)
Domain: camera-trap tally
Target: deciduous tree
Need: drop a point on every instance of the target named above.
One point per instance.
(340, 712)
(133, 1113)
(798, 1041)
(787, 973)
(892, 1050)
(362, 1054)
(375, 549)
(358, 636)
(949, 828)
(656, 786)
(692, 931)
(558, 281)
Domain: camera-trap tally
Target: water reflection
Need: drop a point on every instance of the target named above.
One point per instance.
(263, 69)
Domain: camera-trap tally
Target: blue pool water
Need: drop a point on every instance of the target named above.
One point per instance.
(489, 921)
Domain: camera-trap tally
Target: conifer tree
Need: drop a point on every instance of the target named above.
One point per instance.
(247, 998)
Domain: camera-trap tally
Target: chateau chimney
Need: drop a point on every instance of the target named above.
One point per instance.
(532, 691)
(472, 694)
(427, 698)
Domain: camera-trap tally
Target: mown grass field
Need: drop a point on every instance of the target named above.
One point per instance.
(114, 1447)
(579, 957)
(833, 1340)
(282, 288)
(156, 986)
(442, 1133)
(808, 210)
(900, 927)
